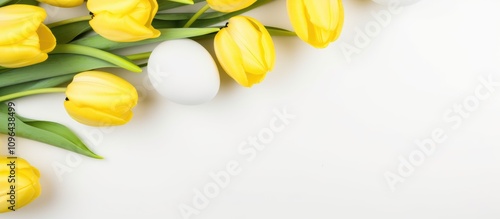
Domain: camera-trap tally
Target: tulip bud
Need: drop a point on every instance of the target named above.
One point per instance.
(124, 21)
(317, 22)
(245, 50)
(25, 40)
(98, 98)
(63, 3)
(19, 183)
(229, 5)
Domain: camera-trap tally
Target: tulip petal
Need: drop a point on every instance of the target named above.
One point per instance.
(248, 38)
(105, 79)
(298, 18)
(63, 3)
(121, 29)
(154, 8)
(107, 91)
(28, 187)
(27, 183)
(21, 21)
(94, 117)
(46, 39)
(266, 45)
(124, 20)
(28, 53)
(26, 40)
(255, 79)
(245, 50)
(229, 55)
(316, 22)
(229, 5)
(142, 11)
(320, 13)
(326, 30)
(100, 99)
(114, 6)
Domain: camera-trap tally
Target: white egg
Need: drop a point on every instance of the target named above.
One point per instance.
(184, 72)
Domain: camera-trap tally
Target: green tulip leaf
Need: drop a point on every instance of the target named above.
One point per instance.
(275, 31)
(39, 84)
(69, 140)
(96, 53)
(67, 32)
(4, 2)
(225, 17)
(46, 132)
(24, 2)
(165, 20)
(168, 4)
(100, 42)
(55, 65)
(165, 24)
(186, 16)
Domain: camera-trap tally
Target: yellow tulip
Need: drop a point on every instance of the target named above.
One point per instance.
(19, 184)
(245, 50)
(25, 40)
(124, 20)
(63, 3)
(98, 98)
(229, 5)
(317, 22)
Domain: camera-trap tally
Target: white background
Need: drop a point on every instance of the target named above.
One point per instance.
(355, 117)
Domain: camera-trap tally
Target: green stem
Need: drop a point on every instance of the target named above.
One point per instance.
(196, 16)
(69, 21)
(139, 56)
(32, 92)
(97, 53)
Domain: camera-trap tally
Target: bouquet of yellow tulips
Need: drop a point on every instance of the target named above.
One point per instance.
(66, 56)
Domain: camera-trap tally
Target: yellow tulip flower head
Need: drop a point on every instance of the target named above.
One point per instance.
(19, 183)
(245, 50)
(317, 22)
(124, 20)
(97, 98)
(63, 3)
(25, 40)
(229, 5)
